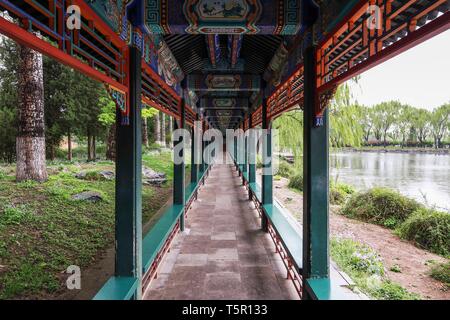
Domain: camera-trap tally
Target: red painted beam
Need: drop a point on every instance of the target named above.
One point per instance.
(25, 38)
(426, 32)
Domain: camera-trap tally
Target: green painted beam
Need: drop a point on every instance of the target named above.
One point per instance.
(194, 166)
(267, 176)
(128, 203)
(251, 148)
(245, 153)
(179, 169)
(118, 288)
(316, 180)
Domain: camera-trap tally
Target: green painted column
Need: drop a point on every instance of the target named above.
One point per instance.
(194, 166)
(235, 150)
(316, 179)
(267, 177)
(179, 169)
(245, 153)
(251, 148)
(203, 163)
(128, 202)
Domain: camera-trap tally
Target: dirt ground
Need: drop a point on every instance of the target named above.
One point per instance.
(414, 263)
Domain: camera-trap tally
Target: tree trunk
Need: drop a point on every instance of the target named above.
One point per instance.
(30, 142)
(144, 132)
(157, 129)
(170, 131)
(111, 147)
(69, 145)
(94, 148)
(163, 129)
(90, 145)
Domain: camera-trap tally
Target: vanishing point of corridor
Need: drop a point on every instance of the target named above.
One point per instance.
(223, 254)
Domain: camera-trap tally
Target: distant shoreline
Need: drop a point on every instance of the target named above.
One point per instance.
(398, 150)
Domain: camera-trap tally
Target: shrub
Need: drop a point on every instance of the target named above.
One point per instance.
(389, 290)
(429, 229)
(441, 272)
(366, 269)
(380, 206)
(285, 169)
(296, 182)
(356, 257)
(340, 192)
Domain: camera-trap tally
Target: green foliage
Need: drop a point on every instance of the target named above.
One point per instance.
(356, 257)
(290, 133)
(15, 215)
(441, 272)
(296, 182)
(345, 119)
(8, 99)
(340, 192)
(440, 120)
(381, 206)
(43, 230)
(429, 229)
(366, 269)
(285, 169)
(396, 268)
(28, 277)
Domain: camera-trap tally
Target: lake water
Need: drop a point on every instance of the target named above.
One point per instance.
(424, 177)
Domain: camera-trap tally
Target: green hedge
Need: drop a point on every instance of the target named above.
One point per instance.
(285, 169)
(296, 182)
(441, 272)
(381, 206)
(429, 229)
(340, 192)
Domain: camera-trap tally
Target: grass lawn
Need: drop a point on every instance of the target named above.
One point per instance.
(43, 230)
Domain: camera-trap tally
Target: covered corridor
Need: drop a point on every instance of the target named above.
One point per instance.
(222, 65)
(223, 253)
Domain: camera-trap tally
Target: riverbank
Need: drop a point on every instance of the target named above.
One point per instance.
(391, 149)
(404, 263)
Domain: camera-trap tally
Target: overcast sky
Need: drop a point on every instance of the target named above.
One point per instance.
(419, 77)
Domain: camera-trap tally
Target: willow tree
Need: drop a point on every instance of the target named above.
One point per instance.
(440, 119)
(30, 141)
(345, 119)
(289, 128)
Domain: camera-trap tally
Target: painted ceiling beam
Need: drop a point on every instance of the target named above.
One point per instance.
(277, 17)
(234, 49)
(223, 82)
(213, 48)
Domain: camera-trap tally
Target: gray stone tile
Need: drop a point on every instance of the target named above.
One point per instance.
(192, 260)
(224, 236)
(223, 254)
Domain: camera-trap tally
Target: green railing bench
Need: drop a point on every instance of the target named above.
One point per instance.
(118, 288)
(155, 244)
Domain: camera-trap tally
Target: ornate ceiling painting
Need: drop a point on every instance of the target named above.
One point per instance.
(224, 81)
(226, 16)
(224, 103)
(168, 66)
(276, 66)
(113, 12)
(236, 17)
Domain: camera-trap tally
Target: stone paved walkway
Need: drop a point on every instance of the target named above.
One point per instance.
(222, 254)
